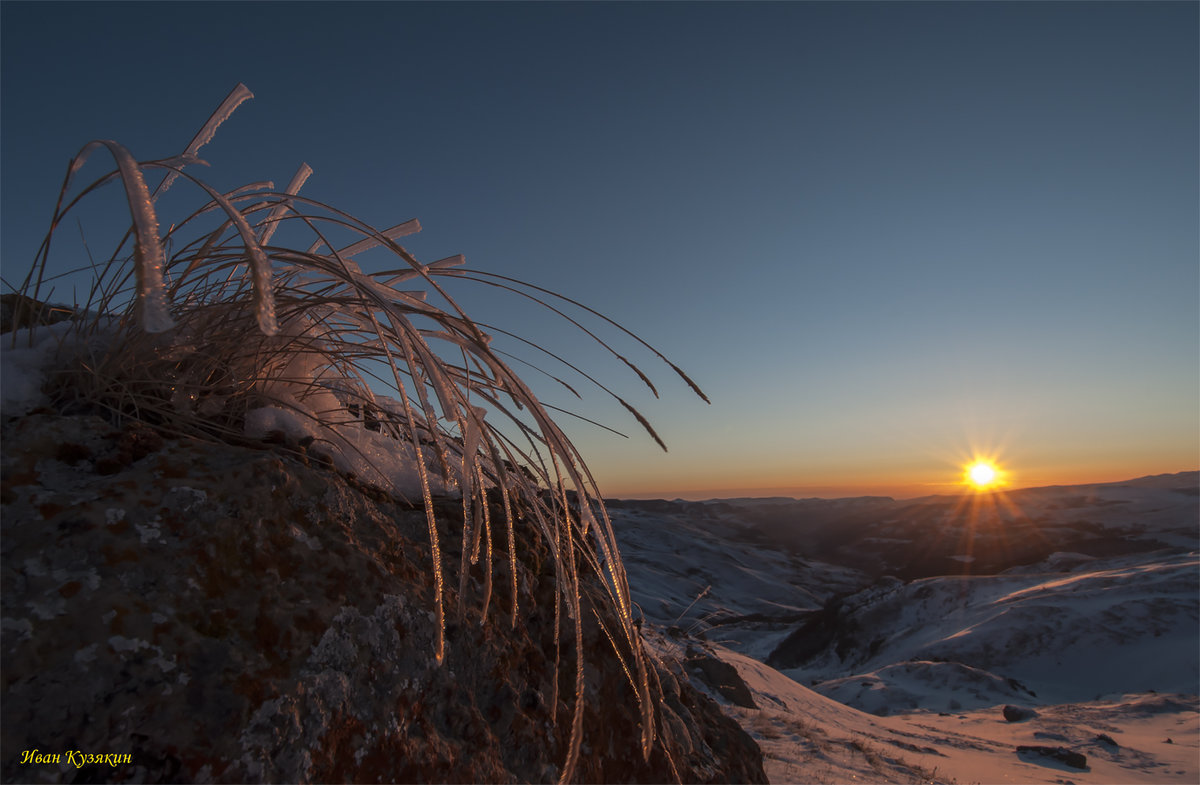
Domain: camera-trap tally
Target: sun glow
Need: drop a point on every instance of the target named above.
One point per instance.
(982, 475)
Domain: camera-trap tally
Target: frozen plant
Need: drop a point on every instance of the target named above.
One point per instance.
(211, 330)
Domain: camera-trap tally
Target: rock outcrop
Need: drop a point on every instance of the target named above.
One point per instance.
(1017, 713)
(217, 613)
(720, 676)
(1076, 760)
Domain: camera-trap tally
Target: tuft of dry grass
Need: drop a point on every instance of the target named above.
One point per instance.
(213, 329)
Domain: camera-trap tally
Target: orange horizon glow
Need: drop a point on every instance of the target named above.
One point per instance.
(905, 487)
(902, 462)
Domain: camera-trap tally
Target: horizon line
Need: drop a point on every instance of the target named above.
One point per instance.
(835, 492)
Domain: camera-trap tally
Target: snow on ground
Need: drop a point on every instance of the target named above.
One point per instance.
(705, 572)
(29, 356)
(807, 737)
(911, 676)
(1102, 644)
(1149, 504)
(25, 357)
(908, 686)
(1129, 626)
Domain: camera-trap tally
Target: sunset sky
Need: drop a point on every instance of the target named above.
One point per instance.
(882, 237)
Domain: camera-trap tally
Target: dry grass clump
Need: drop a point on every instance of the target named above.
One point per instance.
(210, 329)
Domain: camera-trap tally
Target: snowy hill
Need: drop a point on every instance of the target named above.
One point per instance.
(806, 737)
(692, 565)
(1127, 626)
(1079, 603)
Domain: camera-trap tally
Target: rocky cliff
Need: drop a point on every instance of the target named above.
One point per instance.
(207, 612)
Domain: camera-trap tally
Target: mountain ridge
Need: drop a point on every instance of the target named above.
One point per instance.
(891, 640)
(1191, 476)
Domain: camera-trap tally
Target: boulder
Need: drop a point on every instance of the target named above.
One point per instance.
(720, 676)
(1018, 713)
(221, 613)
(1076, 760)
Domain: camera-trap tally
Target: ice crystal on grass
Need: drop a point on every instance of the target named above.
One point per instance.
(232, 337)
(239, 95)
(148, 253)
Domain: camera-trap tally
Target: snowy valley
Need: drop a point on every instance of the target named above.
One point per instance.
(1042, 635)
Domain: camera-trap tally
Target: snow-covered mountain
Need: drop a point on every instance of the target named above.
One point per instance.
(696, 567)
(1105, 627)
(908, 625)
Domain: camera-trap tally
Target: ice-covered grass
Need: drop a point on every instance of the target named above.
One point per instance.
(214, 330)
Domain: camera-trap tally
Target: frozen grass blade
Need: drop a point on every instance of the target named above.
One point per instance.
(366, 244)
(260, 265)
(155, 316)
(271, 223)
(678, 371)
(308, 340)
(236, 97)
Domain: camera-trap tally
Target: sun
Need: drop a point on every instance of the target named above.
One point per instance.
(982, 475)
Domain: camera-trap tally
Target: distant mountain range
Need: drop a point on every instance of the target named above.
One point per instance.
(969, 534)
(1052, 599)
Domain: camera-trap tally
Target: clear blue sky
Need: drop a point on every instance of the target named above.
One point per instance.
(880, 236)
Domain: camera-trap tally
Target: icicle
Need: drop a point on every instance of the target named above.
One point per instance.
(269, 224)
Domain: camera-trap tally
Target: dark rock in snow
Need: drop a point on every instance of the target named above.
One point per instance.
(817, 631)
(1076, 760)
(1018, 713)
(1018, 686)
(720, 676)
(226, 614)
